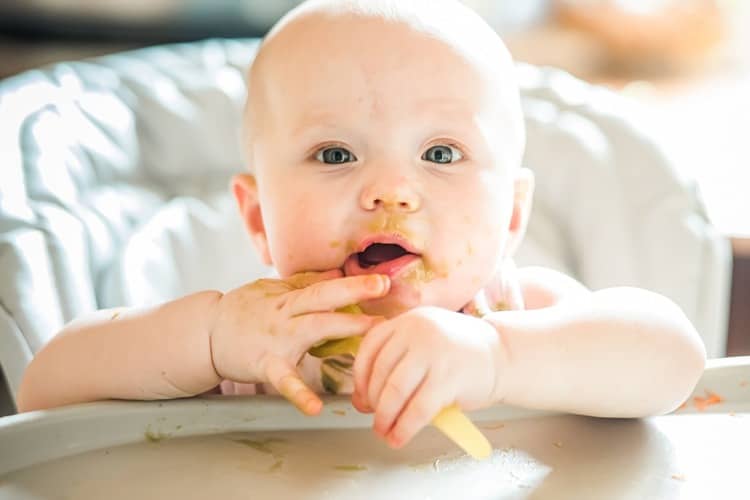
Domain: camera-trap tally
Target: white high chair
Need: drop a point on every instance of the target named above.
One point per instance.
(114, 190)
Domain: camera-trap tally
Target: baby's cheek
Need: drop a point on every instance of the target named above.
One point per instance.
(475, 259)
(302, 247)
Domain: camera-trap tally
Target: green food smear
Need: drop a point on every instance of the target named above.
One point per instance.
(350, 468)
(261, 445)
(276, 466)
(154, 436)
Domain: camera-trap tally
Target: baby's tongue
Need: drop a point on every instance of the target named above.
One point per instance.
(380, 252)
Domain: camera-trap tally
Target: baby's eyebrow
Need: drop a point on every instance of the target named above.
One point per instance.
(316, 121)
(456, 108)
(329, 117)
(453, 106)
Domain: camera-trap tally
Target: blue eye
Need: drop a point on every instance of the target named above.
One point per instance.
(335, 156)
(442, 154)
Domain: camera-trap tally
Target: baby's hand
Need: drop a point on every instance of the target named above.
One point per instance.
(412, 366)
(263, 329)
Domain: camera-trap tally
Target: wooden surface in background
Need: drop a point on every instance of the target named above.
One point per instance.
(738, 342)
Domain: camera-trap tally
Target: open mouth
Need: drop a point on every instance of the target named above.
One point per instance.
(377, 253)
(380, 258)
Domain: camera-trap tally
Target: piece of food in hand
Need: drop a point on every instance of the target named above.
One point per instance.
(451, 421)
(348, 345)
(335, 347)
(454, 423)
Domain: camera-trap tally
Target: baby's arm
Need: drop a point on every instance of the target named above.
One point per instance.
(147, 353)
(255, 333)
(618, 352)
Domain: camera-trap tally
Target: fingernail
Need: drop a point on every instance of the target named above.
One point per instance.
(392, 441)
(359, 404)
(375, 282)
(384, 282)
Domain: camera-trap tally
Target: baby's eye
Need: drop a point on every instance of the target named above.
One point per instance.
(334, 155)
(442, 154)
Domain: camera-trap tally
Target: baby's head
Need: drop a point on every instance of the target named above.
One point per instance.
(386, 137)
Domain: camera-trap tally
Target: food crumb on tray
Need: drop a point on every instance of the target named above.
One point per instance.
(711, 399)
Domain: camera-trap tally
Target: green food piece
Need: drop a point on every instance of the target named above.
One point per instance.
(154, 436)
(348, 345)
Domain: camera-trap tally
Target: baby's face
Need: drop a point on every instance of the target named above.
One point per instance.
(380, 150)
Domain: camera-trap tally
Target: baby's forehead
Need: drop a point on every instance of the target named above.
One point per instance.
(325, 59)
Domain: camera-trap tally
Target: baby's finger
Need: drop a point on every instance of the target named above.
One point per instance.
(390, 355)
(368, 351)
(303, 280)
(399, 388)
(287, 381)
(314, 328)
(332, 294)
(359, 404)
(419, 411)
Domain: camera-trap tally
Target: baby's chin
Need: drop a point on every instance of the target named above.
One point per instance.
(400, 299)
(404, 296)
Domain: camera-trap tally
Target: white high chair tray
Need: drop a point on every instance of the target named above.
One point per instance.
(261, 447)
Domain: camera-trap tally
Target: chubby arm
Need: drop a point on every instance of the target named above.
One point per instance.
(617, 352)
(149, 353)
(255, 333)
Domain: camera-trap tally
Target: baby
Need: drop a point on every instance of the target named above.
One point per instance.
(384, 141)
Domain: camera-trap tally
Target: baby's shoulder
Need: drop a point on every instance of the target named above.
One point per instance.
(544, 287)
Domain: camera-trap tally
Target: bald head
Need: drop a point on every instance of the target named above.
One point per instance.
(312, 42)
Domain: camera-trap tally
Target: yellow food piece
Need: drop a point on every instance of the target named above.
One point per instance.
(349, 345)
(351, 309)
(335, 347)
(454, 423)
(451, 421)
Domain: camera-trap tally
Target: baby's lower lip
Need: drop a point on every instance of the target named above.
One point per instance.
(391, 268)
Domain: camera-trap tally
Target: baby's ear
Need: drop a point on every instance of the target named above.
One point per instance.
(523, 194)
(245, 191)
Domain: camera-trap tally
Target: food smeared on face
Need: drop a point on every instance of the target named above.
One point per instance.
(423, 272)
(388, 222)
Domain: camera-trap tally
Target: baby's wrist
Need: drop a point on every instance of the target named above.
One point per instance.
(213, 306)
(502, 364)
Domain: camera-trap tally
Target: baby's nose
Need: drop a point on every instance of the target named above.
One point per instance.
(396, 197)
